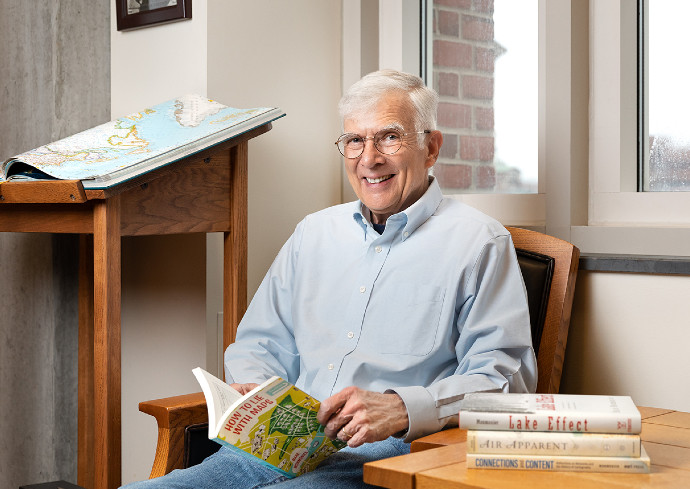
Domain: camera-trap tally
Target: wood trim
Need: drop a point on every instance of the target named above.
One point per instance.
(42, 192)
(235, 246)
(107, 353)
(47, 218)
(85, 407)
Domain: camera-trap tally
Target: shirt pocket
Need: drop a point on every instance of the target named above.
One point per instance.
(410, 322)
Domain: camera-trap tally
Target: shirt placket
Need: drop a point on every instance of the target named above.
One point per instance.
(375, 257)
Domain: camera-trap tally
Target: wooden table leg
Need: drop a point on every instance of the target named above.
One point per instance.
(85, 464)
(107, 354)
(235, 245)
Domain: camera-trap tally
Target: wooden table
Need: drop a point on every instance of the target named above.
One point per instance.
(206, 192)
(438, 462)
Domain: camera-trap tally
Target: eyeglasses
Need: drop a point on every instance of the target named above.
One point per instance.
(386, 141)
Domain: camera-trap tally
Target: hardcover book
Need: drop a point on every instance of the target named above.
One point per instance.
(565, 463)
(274, 424)
(555, 443)
(550, 412)
(124, 148)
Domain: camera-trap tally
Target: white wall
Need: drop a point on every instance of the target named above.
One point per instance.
(629, 336)
(157, 63)
(285, 54)
(163, 278)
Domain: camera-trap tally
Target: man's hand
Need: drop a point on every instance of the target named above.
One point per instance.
(357, 416)
(243, 388)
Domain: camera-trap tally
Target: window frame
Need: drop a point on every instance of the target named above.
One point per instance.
(622, 219)
(524, 210)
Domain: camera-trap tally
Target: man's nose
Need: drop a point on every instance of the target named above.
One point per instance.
(370, 155)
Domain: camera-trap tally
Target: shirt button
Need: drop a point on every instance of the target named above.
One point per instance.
(406, 234)
(350, 334)
(378, 249)
(362, 289)
(331, 366)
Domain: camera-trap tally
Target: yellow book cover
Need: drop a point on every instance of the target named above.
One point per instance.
(275, 423)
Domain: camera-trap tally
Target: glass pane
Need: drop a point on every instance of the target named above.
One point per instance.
(485, 68)
(669, 97)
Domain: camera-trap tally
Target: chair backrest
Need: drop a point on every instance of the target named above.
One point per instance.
(549, 269)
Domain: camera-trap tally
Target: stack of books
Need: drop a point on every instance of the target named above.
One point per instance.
(556, 432)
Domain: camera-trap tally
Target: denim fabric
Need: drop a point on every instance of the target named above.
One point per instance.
(228, 470)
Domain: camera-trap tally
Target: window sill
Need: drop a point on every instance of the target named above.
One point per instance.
(664, 265)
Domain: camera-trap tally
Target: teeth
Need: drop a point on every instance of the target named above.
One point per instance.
(378, 180)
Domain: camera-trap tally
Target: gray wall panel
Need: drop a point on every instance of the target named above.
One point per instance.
(55, 58)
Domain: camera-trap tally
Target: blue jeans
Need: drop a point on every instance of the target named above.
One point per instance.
(228, 470)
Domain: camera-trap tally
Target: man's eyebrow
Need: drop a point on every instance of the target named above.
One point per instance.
(393, 126)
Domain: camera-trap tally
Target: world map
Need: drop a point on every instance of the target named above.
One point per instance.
(156, 135)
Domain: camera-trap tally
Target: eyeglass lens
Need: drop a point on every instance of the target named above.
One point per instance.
(386, 141)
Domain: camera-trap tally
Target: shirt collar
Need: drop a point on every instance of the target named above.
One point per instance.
(412, 217)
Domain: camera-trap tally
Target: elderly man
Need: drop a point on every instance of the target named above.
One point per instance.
(388, 309)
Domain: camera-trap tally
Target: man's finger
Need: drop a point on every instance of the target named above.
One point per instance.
(331, 406)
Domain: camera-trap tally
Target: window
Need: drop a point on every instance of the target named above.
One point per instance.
(620, 219)
(666, 155)
(484, 57)
(587, 130)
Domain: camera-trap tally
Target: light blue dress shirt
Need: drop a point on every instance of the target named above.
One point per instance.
(433, 308)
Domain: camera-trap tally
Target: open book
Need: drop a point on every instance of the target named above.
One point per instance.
(124, 148)
(275, 423)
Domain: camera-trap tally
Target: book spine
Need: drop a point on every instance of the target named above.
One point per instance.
(542, 443)
(550, 421)
(558, 464)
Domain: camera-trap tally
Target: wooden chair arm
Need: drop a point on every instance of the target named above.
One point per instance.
(173, 415)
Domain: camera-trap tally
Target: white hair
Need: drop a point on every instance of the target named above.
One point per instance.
(363, 96)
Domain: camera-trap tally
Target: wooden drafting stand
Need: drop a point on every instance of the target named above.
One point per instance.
(202, 193)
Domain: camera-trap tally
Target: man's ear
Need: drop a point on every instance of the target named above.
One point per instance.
(433, 147)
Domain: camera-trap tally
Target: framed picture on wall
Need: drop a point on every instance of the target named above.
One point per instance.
(132, 14)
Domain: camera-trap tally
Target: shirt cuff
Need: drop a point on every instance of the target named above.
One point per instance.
(421, 412)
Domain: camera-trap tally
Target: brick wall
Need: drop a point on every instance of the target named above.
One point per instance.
(464, 51)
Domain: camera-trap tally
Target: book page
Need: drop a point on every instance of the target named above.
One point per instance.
(220, 396)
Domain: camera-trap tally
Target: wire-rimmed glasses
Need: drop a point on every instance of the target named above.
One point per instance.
(386, 141)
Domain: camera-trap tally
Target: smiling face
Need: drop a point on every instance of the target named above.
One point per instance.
(387, 184)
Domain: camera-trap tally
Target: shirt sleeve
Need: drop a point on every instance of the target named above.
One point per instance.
(265, 342)
(494, 347)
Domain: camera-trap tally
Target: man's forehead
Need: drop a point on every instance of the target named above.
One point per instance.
(374, 121)
(359, 128)
(392, 108)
